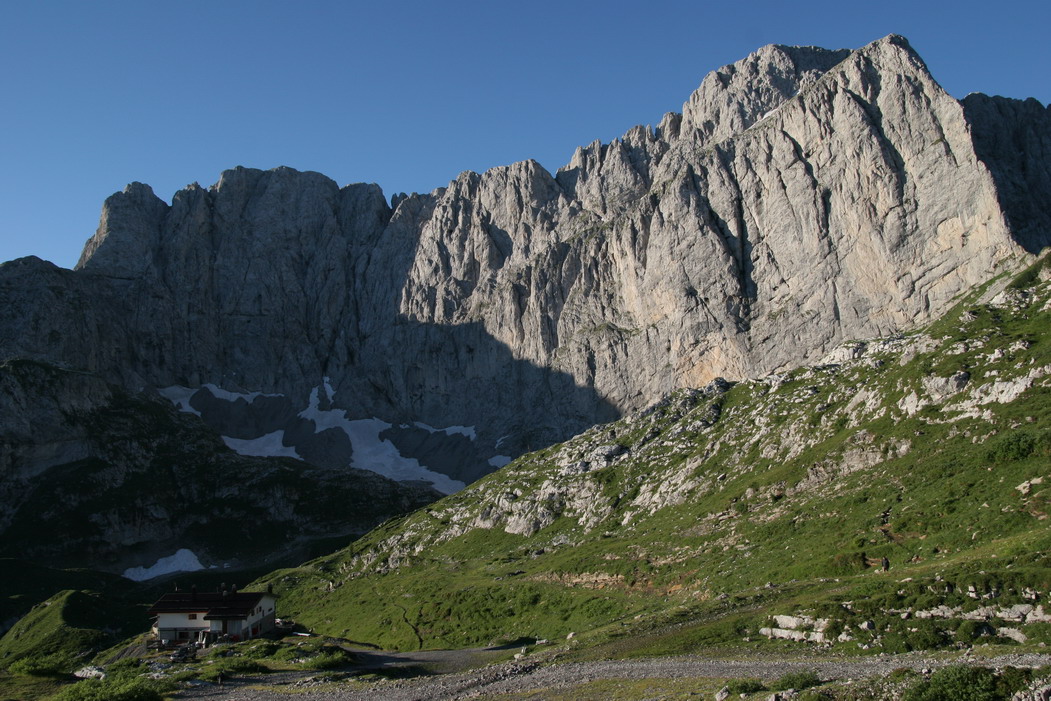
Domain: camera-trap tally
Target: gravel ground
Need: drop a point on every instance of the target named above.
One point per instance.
(519, 676)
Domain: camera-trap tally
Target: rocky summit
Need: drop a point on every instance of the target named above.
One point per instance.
(802, 198)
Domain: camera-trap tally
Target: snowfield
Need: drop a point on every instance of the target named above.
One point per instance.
(180, 397)
(182, 561)
(468, 431)
(370, 452)
(270, 445)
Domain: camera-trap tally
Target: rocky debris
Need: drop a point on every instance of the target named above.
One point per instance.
(1012, 634)
(941, 388)
(90, 672)
(998, 391)
(1027, 486)
(804, 628)
(789, 634)
(796, 622)
(1040, 693)
(604, 454)
(798, 628)
(518, 677)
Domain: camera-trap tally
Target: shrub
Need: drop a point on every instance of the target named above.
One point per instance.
(925, 637)
(797, 681)
(901, 674)
(263, 648)
(814, 695)
(834, 628)
(1039, 632)
(106, 690)
(848, 563)
(231, 665)
(47, 666)
(744, 686)
(894, 643)
(963, 683)
(1012, 679)
(1028, 277)
(330, 658)
(1016, 445)
(970, 630)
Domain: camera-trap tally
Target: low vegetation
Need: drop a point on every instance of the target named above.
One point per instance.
(969, 684)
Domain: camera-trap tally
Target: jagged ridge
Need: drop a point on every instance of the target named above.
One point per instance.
(803, 197)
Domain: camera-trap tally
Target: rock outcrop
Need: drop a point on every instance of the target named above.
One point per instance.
(803, 197)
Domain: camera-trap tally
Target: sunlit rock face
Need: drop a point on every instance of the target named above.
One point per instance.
(802, 197)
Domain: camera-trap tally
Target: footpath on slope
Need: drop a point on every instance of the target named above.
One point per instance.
(525, 676)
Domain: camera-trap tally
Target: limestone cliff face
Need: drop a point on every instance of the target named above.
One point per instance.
(802, 197)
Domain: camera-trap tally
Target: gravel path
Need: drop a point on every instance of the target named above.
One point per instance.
(519, 677)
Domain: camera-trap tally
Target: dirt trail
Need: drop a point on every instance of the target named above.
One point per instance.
(523, 676)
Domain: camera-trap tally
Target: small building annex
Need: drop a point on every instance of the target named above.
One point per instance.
(205, 617)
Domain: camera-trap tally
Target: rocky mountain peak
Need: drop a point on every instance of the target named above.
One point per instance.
(803, 197)
(128, 232)
(731, 99)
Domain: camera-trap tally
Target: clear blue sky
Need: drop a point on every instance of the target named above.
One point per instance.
(96, 94)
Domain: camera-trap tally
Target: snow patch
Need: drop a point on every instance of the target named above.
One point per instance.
(450, 430)
(382, 456)
(182, 561)
(499, 460)
(270, 445)
(371, 452)
(180, 397)
(220, 393)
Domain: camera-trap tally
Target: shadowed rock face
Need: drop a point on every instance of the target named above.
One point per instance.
(92, 475)
(803, 196)
(1013, 139)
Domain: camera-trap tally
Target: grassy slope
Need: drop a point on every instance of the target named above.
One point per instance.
(728, 507)
(64, 625)
(23, 582)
